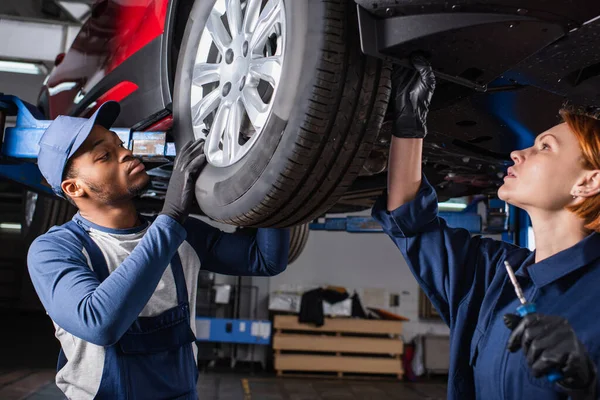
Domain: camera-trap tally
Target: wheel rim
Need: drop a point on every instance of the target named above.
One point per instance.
(236, 76)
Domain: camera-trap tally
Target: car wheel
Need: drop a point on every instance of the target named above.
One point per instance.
(42, 212)
(298, 239)
(288, 104)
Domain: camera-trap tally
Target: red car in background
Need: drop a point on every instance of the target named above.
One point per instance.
(118, 50)
(292, 95)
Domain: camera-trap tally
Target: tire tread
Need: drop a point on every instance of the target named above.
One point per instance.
(345, 111)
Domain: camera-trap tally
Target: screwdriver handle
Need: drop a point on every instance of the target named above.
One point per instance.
(525, 309)
(529, 308)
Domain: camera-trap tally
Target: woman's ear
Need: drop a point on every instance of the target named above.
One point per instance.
(588, 185)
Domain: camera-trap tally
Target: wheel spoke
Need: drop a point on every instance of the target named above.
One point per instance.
(232, 132)
(205, 73)
(238, 67)
(255, 107)
(216, 131)
(267, 68)
(266, 20)
(251, 15)
(234, 17)
(219, 33)
(205, 106)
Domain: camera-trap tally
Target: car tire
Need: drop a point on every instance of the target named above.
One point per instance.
(298, 239)
(325, 117)
(42, 212)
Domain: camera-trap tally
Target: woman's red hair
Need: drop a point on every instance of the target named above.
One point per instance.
(587, 132)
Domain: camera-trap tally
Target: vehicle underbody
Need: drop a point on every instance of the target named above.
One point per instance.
(504, 69)
(521, 65)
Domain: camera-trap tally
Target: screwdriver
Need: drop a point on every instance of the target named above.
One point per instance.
(527, 308)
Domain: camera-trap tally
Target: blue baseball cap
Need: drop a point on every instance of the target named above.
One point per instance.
(64, 136)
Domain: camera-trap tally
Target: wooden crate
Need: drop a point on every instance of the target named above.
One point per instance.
(340, 346)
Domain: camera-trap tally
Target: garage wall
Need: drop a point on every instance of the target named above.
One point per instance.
(360, 261)
(26, 87)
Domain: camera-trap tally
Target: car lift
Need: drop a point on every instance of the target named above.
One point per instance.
(512, 224)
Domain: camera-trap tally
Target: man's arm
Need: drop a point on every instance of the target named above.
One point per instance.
(257, 252)
(72, 295)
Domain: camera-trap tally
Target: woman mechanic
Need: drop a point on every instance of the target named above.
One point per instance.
(557, 182)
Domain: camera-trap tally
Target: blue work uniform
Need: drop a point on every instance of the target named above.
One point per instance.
(465, 279)
(134, 367)
(122, 300)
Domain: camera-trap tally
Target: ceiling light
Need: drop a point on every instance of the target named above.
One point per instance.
(19, 67)
(10, 226)
(446, 206)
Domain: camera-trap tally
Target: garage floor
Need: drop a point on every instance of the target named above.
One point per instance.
(28, 357)
(38, 385)
(28, 352)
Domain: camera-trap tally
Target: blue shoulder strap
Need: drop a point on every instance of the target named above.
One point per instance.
(96, 256)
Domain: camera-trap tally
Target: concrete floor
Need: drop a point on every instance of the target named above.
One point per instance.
(39, 385)
(28, 357)
(28, 351)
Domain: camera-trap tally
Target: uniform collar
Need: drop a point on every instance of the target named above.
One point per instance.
(563, 263)
(87, 225)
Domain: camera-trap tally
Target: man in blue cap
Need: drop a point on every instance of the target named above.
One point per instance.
(121, 290)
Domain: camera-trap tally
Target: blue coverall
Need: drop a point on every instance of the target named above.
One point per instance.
(465, 279)
(141, 357)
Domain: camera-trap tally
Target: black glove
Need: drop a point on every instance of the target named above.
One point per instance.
(550, 344)
(414, 89)
(187, 167)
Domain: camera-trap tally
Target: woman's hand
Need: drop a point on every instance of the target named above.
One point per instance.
(550, 344)
(414, 89)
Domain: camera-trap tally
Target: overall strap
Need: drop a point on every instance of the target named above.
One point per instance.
(96, 257)
(178, 275)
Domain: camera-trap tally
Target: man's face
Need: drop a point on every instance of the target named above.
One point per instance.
(105, 170)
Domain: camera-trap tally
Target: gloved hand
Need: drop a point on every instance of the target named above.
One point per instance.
(414, 89)
(550, 344)
(188, 163)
